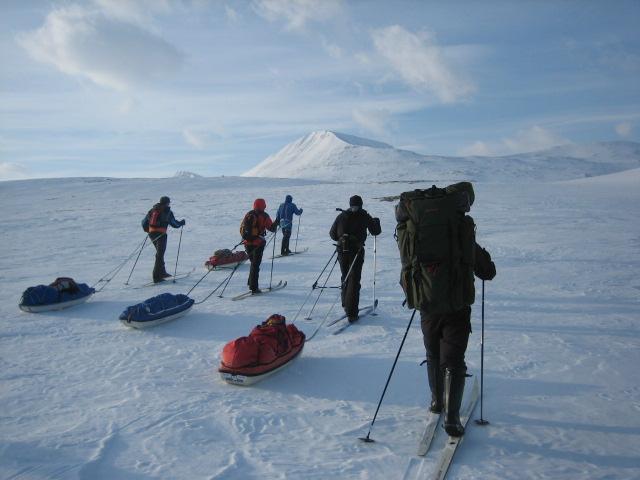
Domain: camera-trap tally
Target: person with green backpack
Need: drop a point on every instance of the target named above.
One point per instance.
(440, 256)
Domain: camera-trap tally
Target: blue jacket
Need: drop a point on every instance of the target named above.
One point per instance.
(285, 213)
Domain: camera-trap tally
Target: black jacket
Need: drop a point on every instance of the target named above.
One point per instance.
(483, 267)
(355, 226)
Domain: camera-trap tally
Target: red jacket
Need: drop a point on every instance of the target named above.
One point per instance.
(255, 224)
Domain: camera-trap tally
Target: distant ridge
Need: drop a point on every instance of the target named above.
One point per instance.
(333, 156)
(185, 174)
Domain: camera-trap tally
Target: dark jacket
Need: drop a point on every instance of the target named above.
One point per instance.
(165, 219)
(354, 225)
(483, 267)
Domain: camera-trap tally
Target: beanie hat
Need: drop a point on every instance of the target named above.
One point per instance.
(288, 199)
(355, 201)
(165, 201)
(259, 204)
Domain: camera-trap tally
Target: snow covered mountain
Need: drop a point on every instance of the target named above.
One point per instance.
(327, 155)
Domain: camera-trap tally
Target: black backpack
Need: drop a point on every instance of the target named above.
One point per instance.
(436, 240)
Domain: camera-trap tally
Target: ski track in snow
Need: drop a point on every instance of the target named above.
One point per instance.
(82, 396)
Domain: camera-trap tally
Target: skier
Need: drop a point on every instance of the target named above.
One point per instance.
(156, 223)
(253, 229)
(350, 231)
(284, 219)
(439, 259)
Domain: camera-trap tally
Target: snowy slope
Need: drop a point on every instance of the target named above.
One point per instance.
(326, 155)
(83, 397)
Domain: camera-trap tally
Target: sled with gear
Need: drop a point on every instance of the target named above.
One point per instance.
(63, 293)
(225, 258)
(156, 310)
(269, 348)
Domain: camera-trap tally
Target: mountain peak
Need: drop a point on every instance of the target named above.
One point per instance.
(186, 174)
(329, 135)
(332, 156)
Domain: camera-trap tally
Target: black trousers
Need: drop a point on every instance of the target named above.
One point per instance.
(255, 257)
(351, 289)
(446, 336)
(286, 235)
(160, 242)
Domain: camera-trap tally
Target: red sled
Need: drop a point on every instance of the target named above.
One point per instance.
(268, 349)
(225, 258)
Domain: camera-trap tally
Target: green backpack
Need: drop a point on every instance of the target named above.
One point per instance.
(437, 247)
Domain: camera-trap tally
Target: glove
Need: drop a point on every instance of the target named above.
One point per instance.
(182, 222)
(301, 210)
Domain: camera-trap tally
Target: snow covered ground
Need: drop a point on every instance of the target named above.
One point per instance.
(82, 396)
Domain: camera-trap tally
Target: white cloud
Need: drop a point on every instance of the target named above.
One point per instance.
(12, 171)
(420, 63)
(372, 120)
(232, 14)
(624, 129)
(476, 149)
(534, 138)
(529, 140)
(195, 139)
(332, 49)
(139, 11)
(109, 51)
(297, 13)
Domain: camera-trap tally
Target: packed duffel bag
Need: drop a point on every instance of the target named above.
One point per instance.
(62, 293)
(268, 348)
(226, 258)
(155, 310)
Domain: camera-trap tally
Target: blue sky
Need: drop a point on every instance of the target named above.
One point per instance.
(149, 87)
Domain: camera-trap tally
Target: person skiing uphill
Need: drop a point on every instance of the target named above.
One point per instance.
(155, 223)
(284, 219)
(439, 257)
(349, 230)
(253, 229)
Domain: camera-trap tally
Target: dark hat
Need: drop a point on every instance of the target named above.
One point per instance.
(165, 200)
(355, 201)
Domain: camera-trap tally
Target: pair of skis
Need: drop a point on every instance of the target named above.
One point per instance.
(452, 443)
(278, 286)
(292, 253)
(166, 281)
(343, 322)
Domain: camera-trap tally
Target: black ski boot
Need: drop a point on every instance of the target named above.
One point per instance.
(454, 379)
(436, 384)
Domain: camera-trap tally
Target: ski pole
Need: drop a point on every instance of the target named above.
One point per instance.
(367, 439)
(343, 283)
(198, 282)
(313, 287)
(295, 249)
(114, 271)
(375, 259)
(308, 317)
(229, 279)
(224, 282)
(175, 272)
(136, 262)
(273, 254)
(326, 317)
(481, 420)
(346, 277)
(315, 284)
